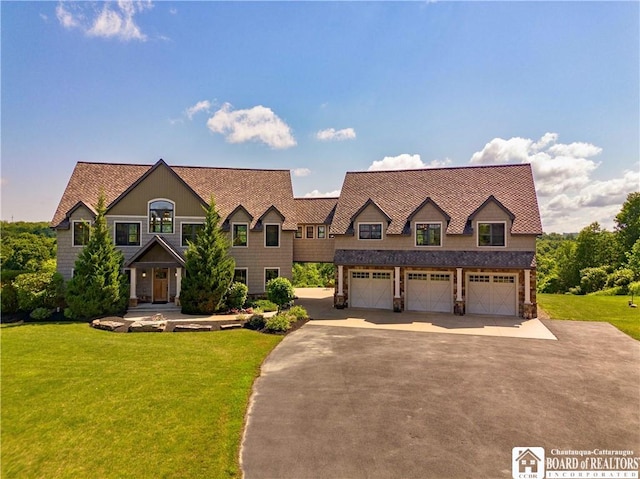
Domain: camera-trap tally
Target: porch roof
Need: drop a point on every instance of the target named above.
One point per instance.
(174, 256)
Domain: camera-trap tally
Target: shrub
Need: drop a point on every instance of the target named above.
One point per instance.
(9, 299)
(236, 295)
(615, 291)
(621, 277)
(40, 314)
(280, 291)
(255, 322)
(298, 312)
(593, 279)
(634, 289)
(265, 305)
(280, 323)
(39, 290)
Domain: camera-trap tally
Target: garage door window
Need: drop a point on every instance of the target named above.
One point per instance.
(381, 275)
(418, 276)
(359, 275)
(477, 278)
(504, 279)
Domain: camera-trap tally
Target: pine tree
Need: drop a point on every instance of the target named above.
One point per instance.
(99, 286)
(209, 268)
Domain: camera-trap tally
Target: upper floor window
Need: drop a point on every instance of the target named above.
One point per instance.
(272, 235)
(128, 234)
(368, 231)
(322, 232)
(80, 233)
(428, 234)
(299, 232)
(161, 216)
(491, 234)
(310, 232)
(190, 232)
(240, 237)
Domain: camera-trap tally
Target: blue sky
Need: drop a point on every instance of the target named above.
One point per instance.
(323, 88)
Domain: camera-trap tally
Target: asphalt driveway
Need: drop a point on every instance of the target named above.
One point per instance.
(337, 402)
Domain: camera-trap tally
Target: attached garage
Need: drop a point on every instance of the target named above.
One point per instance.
(429, 291)
(371, 289)
(489, 293)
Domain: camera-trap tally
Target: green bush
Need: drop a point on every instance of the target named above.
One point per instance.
(9, 299)
(40, 314)
(298, 312)
(280, 291)
(615, 291)
(39, 290)
(255, 322)
(593, 279)
(621, 277)
(236, 295)
(280, 323)
(265, 305)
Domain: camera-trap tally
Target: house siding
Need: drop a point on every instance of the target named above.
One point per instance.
(66, 252)
(314, 250)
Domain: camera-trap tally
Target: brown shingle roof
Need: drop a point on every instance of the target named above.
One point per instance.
(315, 210)
(255, 190)
(457, 191)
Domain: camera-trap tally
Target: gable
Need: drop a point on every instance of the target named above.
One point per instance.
(160, 182)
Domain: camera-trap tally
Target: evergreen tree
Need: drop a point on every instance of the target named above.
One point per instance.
(99, 286)
(209, 268)
(628, 222)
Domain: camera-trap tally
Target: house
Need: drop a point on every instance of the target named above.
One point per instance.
(449, 240)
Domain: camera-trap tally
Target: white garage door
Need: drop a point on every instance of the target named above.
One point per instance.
(492, 294)
(430, 291)
(371, 289)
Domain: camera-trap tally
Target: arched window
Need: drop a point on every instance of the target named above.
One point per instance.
(161, 216)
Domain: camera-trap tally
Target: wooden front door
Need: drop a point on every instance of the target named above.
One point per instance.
(160, 285)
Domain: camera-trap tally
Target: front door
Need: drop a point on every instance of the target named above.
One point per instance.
(160, 285)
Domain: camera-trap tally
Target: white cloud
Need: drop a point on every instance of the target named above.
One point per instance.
(569, 198)
(301, 172)
(204, 105)
(254, 124)
(318, 194)
(114, 20)
(331, 134)
(404, 161)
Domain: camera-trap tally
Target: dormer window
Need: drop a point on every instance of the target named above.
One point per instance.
(161, 216)
(491, 234)
(428, 234)
(370, 231)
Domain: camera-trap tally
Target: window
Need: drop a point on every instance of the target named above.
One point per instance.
(240, 238)
(269, 274)
(299, 232)
(190, 232)
(491, 234)
(80, 233)
(240, 275)
(127, 234)
(368, 231)
(428, 234)
(161, 216)
(322, 232)
(310, 232)
(272, 236)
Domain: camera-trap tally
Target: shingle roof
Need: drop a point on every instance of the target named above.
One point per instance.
(457, 191)
(441, 259)
(315, 210)
(255, 190)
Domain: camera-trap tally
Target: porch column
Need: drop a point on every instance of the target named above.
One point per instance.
(338, 299)
(178, 285)
(133, 299)
(397, 300)
(527, 286)
(459, 284)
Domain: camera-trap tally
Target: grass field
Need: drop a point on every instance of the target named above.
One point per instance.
(612, 309)
(79, 402)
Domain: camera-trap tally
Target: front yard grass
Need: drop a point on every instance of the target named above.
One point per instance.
(80, 402)
(611, 309)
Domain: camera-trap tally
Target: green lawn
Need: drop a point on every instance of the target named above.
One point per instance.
(612, 309)
(79, 402)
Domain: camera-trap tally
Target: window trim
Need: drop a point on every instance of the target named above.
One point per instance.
(233, 232)
(115, 233)
(246, 273)
(370, 223)
(324, 232)
(73, 233)
(182, 223)
(415, 235)
(479, 222)
(264, 276)
(173, 219)
(266, 225)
